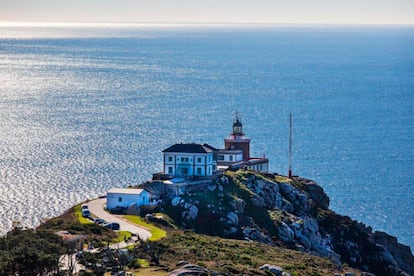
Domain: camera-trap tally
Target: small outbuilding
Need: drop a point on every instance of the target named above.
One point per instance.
(123, 198)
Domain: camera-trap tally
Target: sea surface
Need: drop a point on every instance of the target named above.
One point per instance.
(87, 108)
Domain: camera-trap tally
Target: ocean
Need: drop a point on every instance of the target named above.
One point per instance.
(87, 108)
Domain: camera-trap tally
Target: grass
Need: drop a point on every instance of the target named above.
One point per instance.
(156, 233)
(143, 263)
(78, 213)
(121, 236)
(236, 256)
(280, 178)
(148, 271)
(72, 221)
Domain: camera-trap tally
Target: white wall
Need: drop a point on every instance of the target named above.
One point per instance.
(230, 157)
(260, 167)
(197, 164)
(114, 200)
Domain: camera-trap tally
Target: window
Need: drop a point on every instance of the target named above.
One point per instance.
(184, 159)
(231, 157)
(170, 159)
(220, 157)
(198, 171)
(170, 170)
(119, 199)
(184, 171)
(198, 159)
(143, 199)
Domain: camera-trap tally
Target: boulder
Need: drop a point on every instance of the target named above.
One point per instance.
(327, 252)
(401, 253)
(288, 191)
(311, 231)
(273, 269)
(278, 200)
(258, 201)
(261, 184)
(247, 231)
(257, 190)
(238, 204)
(189, 269)
(317, 194)
(286, 234)
(233, 218)
(255, 234)
(287, 206)
(211, 187)
(181, 263)
(304, 241)
(303, 204)
(176, 201)
(233, 230)
(193, 212)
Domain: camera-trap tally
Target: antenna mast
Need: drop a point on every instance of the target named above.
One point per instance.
(290, 146)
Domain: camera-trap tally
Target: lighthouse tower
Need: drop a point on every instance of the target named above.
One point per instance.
(237, 140)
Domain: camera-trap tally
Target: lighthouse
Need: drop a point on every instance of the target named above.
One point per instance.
(237, 140)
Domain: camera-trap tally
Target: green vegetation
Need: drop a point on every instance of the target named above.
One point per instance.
(235, 256)
(280, 178)
(122, 236)
(142, 263)
(237, 187)
(78, 213)
(162, 252)
(276, 215)
(97, 235)
(156, 232)
(29, 252)
(216, 204)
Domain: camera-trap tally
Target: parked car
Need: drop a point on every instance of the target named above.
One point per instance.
(99, 221)
(86, 213)
(112, 225)
(85, 207)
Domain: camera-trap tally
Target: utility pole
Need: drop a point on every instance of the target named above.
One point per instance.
(290, 146)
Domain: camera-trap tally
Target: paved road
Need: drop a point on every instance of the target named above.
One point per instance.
(96, 207)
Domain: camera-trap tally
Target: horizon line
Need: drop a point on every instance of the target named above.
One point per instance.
(183, 24)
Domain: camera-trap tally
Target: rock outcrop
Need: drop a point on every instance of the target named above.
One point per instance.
(273, 209)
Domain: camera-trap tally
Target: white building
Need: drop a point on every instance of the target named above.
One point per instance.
(226, 158)
(236, 152)
(188, 160)
(119, 197)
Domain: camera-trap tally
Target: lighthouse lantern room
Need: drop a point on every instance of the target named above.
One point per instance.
(237, 140)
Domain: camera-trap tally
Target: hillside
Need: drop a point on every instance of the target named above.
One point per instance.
(160, 257)
(287, 213)
(241, 223)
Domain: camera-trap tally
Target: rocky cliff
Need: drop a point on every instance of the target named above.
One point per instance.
(292, 213)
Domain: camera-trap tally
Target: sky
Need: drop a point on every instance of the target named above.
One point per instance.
(210, 11)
